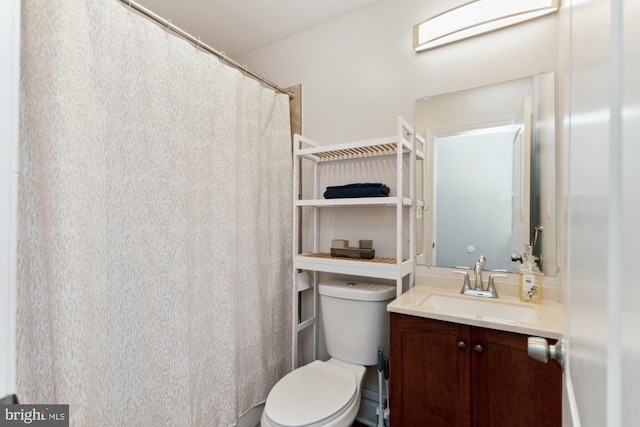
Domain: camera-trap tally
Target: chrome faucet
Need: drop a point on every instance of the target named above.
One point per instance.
(478, 290)
(482, 260)
(478, 272)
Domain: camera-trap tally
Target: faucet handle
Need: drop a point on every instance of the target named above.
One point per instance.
(490, 287)
(466, 285)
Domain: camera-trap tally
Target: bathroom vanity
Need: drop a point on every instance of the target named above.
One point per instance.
(453, 364)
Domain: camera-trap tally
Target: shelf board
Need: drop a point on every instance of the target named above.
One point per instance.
(325, 255)
(360, 201)
(353, 150)
(386, 268)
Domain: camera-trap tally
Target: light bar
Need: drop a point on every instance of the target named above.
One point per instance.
(477, 17)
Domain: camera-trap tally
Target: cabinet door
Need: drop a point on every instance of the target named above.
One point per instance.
(509, 388)
(429, 368)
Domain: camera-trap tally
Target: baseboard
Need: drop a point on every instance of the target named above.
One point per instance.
(252, 417)
(570, 415)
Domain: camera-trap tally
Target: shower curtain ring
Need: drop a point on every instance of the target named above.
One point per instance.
(168, 24)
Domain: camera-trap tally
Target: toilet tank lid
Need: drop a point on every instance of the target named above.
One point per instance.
(355, 290)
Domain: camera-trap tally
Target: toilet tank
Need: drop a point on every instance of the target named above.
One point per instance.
(355, 319)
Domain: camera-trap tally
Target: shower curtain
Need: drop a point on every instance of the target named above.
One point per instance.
(155, 224)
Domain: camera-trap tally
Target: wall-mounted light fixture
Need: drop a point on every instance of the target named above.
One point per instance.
(477, 17)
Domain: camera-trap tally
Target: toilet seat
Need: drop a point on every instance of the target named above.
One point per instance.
(311, 395)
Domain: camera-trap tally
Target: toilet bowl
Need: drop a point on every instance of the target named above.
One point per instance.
(317, 394)
(355, 324)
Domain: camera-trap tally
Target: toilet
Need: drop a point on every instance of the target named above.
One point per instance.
(355, 324)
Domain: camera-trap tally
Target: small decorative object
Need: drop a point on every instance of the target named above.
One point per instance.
(340, 248)
(530, 278)
(339, 243)
(366, 244)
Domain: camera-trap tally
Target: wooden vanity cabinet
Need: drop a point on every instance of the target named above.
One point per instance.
(449, 374)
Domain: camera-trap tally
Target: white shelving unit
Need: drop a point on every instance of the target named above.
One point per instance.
(397, 266)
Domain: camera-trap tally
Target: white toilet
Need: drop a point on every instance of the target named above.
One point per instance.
(356, 324)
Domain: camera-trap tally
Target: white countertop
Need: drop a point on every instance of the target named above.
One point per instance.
(549, 322)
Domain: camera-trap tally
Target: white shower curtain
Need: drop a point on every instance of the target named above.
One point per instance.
(155, 224)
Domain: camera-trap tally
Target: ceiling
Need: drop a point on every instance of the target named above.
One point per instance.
(236, 27)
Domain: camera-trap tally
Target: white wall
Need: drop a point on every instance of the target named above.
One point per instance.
(9, 89)
(359, 71)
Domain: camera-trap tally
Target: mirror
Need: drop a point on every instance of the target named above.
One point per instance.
(488, 175)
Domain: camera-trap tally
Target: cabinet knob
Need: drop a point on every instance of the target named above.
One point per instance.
(478, 348)
(462, 345)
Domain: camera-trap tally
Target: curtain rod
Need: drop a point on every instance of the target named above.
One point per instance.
(220, 55)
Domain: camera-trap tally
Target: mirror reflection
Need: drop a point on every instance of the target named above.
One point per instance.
(475, 186)
(489, 176)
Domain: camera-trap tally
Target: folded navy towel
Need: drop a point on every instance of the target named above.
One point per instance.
(357, 190)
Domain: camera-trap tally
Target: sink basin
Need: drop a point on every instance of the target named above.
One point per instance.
(481, 308)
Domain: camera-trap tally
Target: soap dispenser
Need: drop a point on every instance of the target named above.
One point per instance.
(530, 288)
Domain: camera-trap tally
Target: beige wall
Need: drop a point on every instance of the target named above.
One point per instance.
(359, 71)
